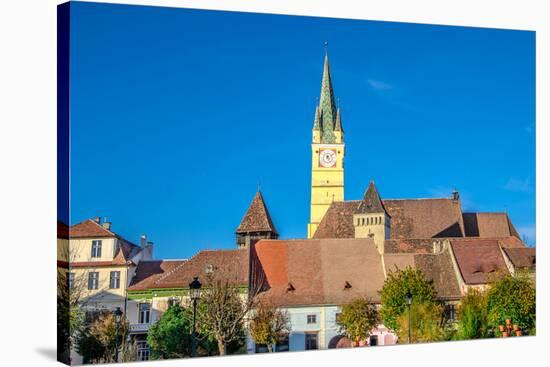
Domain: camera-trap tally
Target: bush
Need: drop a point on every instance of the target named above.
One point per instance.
(512, 297)
(472, 316)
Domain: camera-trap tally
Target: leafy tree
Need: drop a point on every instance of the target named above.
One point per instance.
(395, 288)
(269, 324)
(472, 316)
(170, 337)
(426, 323)
(512, 297)
(358, 318)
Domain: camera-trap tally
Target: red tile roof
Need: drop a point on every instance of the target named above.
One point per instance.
(488, 225)
(232, 263)
(257, 218)
(522, 257)
(317, 270)
(410, 218)
(478, 259)
(62, 230)
(90, 229)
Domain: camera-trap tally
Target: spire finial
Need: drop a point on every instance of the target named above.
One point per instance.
(326, 47)
(259, 185)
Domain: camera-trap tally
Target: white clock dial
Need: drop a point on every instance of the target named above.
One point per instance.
(327, 158)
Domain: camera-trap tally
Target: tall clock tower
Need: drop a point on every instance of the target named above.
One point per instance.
(327, 154)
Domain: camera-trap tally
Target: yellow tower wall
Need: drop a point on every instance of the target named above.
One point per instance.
(327, 184)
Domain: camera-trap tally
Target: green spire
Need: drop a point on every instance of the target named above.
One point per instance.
(326, 113)
(338, 124)
(316, 123)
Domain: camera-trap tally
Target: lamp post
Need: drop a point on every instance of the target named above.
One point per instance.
(195, 294)
(118, 317)
(408, 298)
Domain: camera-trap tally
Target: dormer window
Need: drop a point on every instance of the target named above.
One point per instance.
(96, 248)
(347, 285)
(290, 287)
(209, 269)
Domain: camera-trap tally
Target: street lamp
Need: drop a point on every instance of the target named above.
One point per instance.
(408, 298)
(195, 294)
(118, 317)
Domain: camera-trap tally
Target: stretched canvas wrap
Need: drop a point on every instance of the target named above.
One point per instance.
(239, 183)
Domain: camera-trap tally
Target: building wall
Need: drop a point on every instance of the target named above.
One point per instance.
(81, 249)
(327, 184)
(375, 225)
(103, 293)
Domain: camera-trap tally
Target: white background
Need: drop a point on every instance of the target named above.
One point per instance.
(28, 180)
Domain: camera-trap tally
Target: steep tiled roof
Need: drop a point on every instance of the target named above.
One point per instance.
(488, 225)
(478, 259)
(436, 267)
(522, 257)
(89, 229)
(233, 264)
(257, 218)
(371, 202)
(62, 230)
(316, 271)
(410, 218)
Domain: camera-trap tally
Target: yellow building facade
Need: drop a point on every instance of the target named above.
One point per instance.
(327, 154)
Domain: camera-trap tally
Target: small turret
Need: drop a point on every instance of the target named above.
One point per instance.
(256, 224)
(371, 220)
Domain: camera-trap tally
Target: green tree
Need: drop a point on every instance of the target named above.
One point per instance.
(268, 324)
(472, 316)
(358, 318)
(512, 297)
(426, 323)
(392, 294)
(170, 337)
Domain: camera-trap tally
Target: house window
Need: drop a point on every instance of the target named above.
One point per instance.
(282, 345)
(142, 350)
(373, 340)
(96, 248)
(114, 281)
(70, 280)
(311, 319)
(450, 312)
(311, 341)
(93, 280)
(337, 317)
(144, 313)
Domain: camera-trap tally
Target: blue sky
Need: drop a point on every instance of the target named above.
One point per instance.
(177, 114)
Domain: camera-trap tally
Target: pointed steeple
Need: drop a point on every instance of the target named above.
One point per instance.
(338, 125)
(326, 101)
(316, 122)
(257, 218)
(371, 202)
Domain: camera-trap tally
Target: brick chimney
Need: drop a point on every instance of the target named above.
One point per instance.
(149, 250)
(106, 224)
(456, 196)
(143, 241)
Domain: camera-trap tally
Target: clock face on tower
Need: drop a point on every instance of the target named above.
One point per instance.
(327, 158)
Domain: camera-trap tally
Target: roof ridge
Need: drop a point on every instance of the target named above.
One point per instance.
(168, 273)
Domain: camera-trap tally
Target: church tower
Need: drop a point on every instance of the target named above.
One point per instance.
(371, 220)
(256, 224)
(327, 154)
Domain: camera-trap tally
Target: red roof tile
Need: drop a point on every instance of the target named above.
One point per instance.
(488, 225)
(62, 230)
(522, 257)
(410, 218)
(89, 229)
(478, 259)
(232, 263)
(257, 218)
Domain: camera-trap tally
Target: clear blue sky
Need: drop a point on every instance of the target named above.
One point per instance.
(176, 114)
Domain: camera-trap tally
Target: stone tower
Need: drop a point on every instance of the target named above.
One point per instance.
(327, 154)
(371, 219)
(256, 224)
